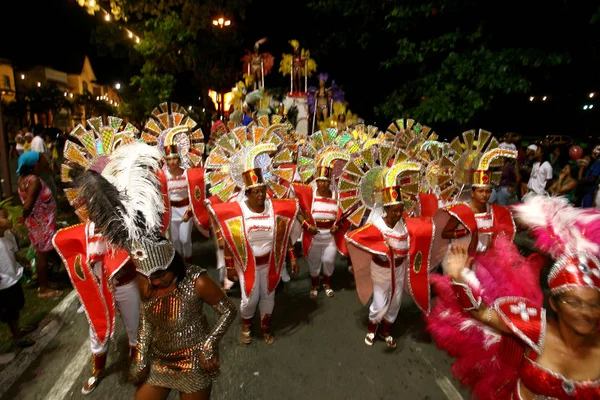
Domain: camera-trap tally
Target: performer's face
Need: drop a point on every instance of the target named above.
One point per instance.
(323, 185)
(162, 279)
(257, 196)
(579, 309)
(481, 194)
(394, 214)
(173, 163)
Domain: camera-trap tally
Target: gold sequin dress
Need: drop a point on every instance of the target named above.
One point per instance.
(174, 332)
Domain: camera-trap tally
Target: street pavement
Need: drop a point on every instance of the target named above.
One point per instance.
(319, 353)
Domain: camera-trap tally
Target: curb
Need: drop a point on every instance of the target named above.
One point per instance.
(48, 329)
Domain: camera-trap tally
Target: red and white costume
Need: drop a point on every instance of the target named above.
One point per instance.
(186, 195)
(104, 280)
(505, 366)
(322, 213)
(258, 243)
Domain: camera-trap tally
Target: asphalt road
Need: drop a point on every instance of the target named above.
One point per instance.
(319, 353)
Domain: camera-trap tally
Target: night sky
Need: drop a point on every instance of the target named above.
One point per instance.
(61, 32)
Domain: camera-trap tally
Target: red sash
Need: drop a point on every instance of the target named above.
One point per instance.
(304, 194)
(96, 296)
(197, 194)
(503, 223)
(428, 204)
(368, 241)
(230, 222)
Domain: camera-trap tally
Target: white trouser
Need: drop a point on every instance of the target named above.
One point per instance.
(181, 232)
(127, 298)
(382, 306)
(260, 295)
(322, 251)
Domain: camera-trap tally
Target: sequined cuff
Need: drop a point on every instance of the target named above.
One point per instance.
(469, 292)
(227, 313)
(140, 360)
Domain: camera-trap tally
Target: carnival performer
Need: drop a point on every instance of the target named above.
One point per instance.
(386, 251)
(323, 224)
(298, 65)
(103, 276)
(256, 232)
(176, 348)
(476, 222)
(103, 279)
(257, 65)
(183, 146)
(489, 314)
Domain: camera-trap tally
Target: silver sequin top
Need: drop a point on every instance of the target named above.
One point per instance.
(174, 332)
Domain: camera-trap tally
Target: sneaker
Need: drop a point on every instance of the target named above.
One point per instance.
(370, 339)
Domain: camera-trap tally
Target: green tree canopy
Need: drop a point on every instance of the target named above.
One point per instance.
(446, 60)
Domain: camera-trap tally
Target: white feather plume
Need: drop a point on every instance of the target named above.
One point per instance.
(132, 170)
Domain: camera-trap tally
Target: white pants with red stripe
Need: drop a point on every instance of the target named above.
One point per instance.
(259, 297)
(384, 307)
(181, 232)
(322, 252)
(127, 299)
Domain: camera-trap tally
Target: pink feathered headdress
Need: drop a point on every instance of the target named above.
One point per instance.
(570, 235)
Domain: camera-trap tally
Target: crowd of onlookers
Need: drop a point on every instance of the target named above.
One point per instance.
(559, 170)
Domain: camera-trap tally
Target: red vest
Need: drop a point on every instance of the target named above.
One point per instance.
(368, 241)
(96, 295)
(230, 222)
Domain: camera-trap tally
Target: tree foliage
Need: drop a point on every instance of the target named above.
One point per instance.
(447, 59)
(178, 45)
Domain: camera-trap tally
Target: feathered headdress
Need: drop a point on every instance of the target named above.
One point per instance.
(570, 235)
(90, 149)
(175, 134)
(126, 204)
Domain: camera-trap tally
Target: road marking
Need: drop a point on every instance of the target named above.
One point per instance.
(65, 382)
(442, 381)
(448, 388)
(15, 369)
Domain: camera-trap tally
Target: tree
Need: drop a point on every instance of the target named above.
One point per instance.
(45, 101)
(178, 46)
(446, 60)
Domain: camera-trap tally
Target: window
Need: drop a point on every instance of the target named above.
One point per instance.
(85, 87)
(6, 82)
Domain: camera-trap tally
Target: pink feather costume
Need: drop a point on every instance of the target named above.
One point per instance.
(488, 361)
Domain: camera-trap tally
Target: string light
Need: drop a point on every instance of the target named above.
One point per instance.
(71, 95)
(531, 98)
(592, 95)
(22, 76)
(544, 98)
(66, 94)
(137, 39)
(107, 17)
(39, 84)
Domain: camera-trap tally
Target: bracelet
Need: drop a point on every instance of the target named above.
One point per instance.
(291, 255)
(460, 233)
(305, 225)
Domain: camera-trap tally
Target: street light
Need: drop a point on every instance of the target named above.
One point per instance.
(118, 86)
(221, 22)
(22, 76)
(39, 84)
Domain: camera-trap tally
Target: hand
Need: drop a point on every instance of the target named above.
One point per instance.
(295, 269)
(209, 366)
(313, 230)
(231, 275)
(186, 216)
(140, 376)
(334, 230)
(457, 260)
(20, 220)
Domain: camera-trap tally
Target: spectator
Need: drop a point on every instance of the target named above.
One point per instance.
(27, 137)
(12, 299)
(39, 214)
(589, 182)
(38, 143)
(566, 184)
(509, 180)
(541, 172)
(525, 167)
(19, 144)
